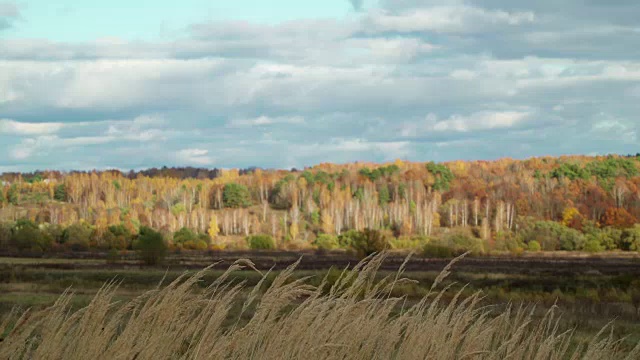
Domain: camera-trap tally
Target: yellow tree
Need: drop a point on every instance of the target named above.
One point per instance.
(214, 230)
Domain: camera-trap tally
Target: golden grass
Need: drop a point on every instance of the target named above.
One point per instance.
(353, 318)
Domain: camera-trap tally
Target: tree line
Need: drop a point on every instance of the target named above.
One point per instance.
(547, 203)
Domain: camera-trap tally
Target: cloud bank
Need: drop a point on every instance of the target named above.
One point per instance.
(420, 80)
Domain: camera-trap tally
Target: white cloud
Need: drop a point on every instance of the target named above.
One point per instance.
(463, 74)
(194, 156)
(8, 126)
(447, 19)
(266, 120)
(485, 120)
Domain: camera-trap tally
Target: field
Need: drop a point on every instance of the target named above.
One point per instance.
(590, 291)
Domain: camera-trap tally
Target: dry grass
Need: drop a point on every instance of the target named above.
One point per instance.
(353, 318)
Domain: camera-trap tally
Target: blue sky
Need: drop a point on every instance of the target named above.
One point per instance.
(286, 83)
(71, 20)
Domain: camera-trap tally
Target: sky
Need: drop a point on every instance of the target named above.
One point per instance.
(289, 83)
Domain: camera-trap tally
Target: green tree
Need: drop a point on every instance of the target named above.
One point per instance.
(630, 238)
(60, 193)
(13, 195)
(25, 235)
(184, 235)
(150, 246)
(236, 196)
(383, 195)
(77, 236)
(443, 175)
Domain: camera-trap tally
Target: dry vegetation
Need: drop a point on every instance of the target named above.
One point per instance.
(354, 317)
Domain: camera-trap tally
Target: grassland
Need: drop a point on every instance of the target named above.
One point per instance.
(589, 291)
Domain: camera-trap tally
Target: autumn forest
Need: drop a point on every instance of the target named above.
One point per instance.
(571, 203)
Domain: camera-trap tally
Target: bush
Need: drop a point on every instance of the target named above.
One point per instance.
(5, 234)
(150, 246)
(368, 242)
(236, 196)
(438, 250)
(77, 236)
(462, 242)
(326, 242)
(609, 238)
(534, 246)
(201, 245)
(630, 238)
(261, 242)
(25, 235)
(593, 245)
(508, 241)
(416, 242)
(346, 239)
(554, 236)
(184, 235)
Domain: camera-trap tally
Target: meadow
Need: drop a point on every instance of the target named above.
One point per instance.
(481, 296)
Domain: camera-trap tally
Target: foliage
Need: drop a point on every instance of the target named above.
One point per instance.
(368, 242)
(444, 176)
(326, 242)
(261, 242)
(509, 241)
(236, 196)
(534, 246)
(593, 245)
(213, 230)
(184, 235)
(554, 236)
(617, 217)
(77, 236)
(13, 196)
(60, 193)
(25, 235)
(570, 171)
(150, 246)
(630, 239)
(438, 249)
(613, 167)
(379, 172)
(383, 195)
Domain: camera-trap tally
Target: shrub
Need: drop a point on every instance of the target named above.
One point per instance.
(236, 196)
(261, 242)
(437, 250)
(150, 246)
(534, 246)
(416, 242)
(77, 236)
(368, 242)
(593, 245)
(630, 238)
(201, 245)
(5, 234)
(508, 241)
(462, 242)
(25, 235)
(609, 238)
(326, 242)
(346, 239)
(554, 236)
(183, 236)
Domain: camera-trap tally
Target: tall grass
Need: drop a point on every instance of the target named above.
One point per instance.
(354, 317)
